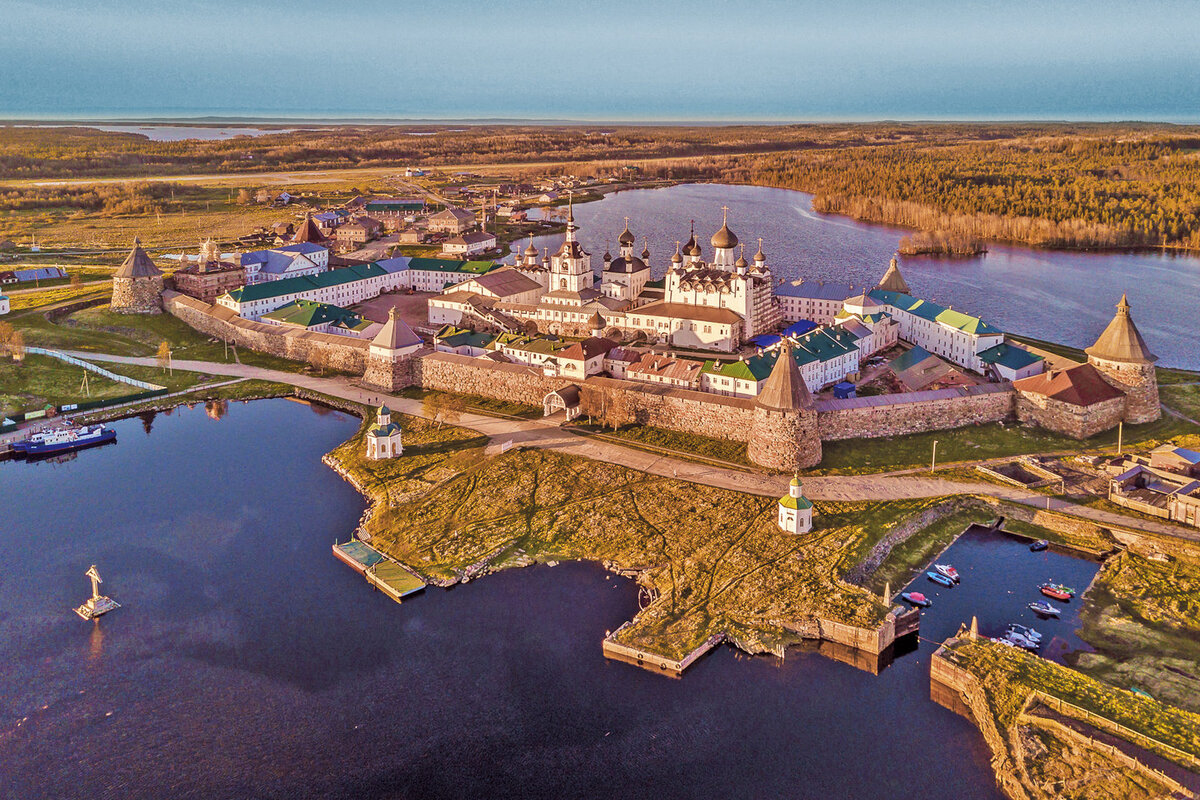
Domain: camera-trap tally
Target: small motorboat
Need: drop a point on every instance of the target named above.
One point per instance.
(1044, 608)
(1066, 589)
(937, 577)
(1050, 590)
(1020, 641)
(947, 570)
(916, 598)
(1039, 545)
(1004, 642)
(1029, 633)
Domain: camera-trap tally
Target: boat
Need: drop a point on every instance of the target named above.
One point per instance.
(1028, 633)
(61, 440)
(1023, 642)
(1066, 589)
(1050, 590)
(1039, 545)
(1044, 608)
(947, 570)
(937, 577)
(917, 599)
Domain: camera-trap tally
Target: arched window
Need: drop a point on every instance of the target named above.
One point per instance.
(562, 284)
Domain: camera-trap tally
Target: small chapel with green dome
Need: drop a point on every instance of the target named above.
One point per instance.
(795, 510)
(383, 439)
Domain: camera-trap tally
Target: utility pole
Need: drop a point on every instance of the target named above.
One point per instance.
(1120, 436)
(933, 461)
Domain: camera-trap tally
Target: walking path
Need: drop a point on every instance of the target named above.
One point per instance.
(532, 433)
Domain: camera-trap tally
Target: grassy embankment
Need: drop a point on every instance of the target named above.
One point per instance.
(715, 558)
(1009, 677)
(675, 443)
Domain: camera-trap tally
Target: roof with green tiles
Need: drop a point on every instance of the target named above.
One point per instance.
(823, 344)
(306, 283)
(308, 313)
(453, 265)
(461, 337)
(935, 313)
(1010, 356)
(795, 502)
(910, 358)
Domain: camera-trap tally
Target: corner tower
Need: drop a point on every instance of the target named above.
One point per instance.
(1122, 357)
(137, 284)
(892, 280)
(785, 435)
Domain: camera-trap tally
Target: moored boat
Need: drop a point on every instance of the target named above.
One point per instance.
(1066, 589)
(1039, 545)
(61, 440)
(1044, 608)
(1053, 591)
(947, 570)
(1028, 633)
(1021, 641)
(939, 578)
(916, 599)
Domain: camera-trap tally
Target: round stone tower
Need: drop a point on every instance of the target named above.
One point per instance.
(785, 435)
(137, 284)
(1121, 356)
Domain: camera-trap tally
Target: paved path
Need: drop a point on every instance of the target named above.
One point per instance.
(533, 433)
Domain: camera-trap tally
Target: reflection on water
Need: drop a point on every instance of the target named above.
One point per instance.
(1065, 297)
(246, 661)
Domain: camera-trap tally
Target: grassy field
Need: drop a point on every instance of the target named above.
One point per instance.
(659, 439)
(715, 558)
(484, 405)
(1010, 675)
(980, 442)
(1182, 398)
(1143, 619)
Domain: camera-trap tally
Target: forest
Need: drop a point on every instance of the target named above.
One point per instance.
(1048, 185)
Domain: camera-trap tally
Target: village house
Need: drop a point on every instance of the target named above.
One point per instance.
(358, 232)
(470, 243)
(451, 220)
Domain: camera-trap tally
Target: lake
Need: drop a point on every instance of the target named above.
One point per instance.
(247, 662)
(176, 133)
(1061, 296)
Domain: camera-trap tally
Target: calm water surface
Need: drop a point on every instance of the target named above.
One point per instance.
(247, 662)
(1065, 297)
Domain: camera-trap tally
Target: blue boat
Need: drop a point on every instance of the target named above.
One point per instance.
(63, 440)
(1039, 545)
(937, 577)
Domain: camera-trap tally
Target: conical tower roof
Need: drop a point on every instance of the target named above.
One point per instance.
(137, 264)
(395, 333)
(1121, 340)
(785, 389)
(893, 281)
(309, 232)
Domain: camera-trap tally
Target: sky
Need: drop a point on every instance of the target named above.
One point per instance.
(753, 60)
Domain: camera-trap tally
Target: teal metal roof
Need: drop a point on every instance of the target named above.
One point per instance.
(308, 313)
(935, 313)
(306, 283)
(1010, 356)
(909, 359)
(453, 265)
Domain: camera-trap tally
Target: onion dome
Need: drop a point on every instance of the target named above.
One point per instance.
(531, 250)
(626, 237)
(677, 258)
(645, 250)
(607, 256)
(741, 262)
(724, 238)
(759, 255)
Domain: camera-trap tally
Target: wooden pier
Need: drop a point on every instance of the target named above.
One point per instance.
(386, 575)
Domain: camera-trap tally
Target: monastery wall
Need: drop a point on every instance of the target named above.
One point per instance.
(513, 383)
(326, 350)
(1078, 422)
(898, 415)
(683, 409)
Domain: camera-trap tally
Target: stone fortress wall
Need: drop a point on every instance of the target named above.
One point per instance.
(326, 350)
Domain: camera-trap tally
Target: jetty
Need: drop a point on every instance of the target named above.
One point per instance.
(388, 576)
(97, 604)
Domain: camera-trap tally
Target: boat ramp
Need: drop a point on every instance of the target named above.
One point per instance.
(388, 576)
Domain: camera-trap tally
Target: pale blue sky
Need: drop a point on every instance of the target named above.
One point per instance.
(703, 60)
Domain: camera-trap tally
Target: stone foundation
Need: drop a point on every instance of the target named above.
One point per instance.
(1139, 382)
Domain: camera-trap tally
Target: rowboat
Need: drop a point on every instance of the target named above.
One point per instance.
(1039, 545)
(1053, 591)
(937, 577)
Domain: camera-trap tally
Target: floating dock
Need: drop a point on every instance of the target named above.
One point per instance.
(386, 575)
